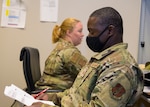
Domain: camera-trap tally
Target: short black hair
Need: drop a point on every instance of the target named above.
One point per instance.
(109, 16)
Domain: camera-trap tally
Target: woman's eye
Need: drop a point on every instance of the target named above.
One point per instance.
(80, 31)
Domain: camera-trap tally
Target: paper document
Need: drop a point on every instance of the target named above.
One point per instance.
(13, 14)
(49, 10)
(146, 89)
(18, 94)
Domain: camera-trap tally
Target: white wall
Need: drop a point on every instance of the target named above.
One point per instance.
(38, 35)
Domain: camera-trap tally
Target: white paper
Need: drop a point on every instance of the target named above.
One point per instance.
(49, 10)
(146, 89)
(13, 14)
(18, 94)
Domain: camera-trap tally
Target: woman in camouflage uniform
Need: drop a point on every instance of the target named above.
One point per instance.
(65, 61)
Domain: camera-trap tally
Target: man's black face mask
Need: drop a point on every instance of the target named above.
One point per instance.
(94, 43)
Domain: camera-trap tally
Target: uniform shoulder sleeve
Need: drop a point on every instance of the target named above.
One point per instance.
(114, 87)
(74, 56)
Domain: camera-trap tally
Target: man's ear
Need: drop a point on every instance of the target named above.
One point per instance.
(111, 30)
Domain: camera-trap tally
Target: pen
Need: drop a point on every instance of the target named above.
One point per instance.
(43, 91)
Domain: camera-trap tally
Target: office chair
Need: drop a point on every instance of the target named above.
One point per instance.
(31, 68)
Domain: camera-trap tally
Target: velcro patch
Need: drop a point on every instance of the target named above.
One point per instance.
(78, 59)
(75, 57)
(118, 90)
(94, 65)
(82, 62)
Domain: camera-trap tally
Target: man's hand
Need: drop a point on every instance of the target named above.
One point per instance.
(40, 97)
(38, 104)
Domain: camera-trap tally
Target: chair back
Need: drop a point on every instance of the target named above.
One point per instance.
(31, 66)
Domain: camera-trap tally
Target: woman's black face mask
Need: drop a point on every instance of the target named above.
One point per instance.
(94, 43)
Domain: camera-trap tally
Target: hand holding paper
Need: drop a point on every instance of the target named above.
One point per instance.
(23, 97)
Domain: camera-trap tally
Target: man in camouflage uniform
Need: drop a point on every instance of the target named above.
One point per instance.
(112, 77)
(61, 67)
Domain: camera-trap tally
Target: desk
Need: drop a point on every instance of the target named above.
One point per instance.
(142, 102)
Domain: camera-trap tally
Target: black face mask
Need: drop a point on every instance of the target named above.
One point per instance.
(94, 43)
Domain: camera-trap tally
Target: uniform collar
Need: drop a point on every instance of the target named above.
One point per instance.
(110, 50)
(65, 41)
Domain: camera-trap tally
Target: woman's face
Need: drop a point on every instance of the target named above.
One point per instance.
(76, 34)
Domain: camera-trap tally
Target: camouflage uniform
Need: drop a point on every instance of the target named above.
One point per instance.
(62, 66)
(111, 79)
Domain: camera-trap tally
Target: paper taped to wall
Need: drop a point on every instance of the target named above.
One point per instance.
(18, 94)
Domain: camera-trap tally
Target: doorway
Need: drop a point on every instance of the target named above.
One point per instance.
(144, 37)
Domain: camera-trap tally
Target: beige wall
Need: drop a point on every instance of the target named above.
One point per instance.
(37, 34)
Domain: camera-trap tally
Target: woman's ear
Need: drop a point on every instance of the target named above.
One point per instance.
(111, 29)
(68, 32)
